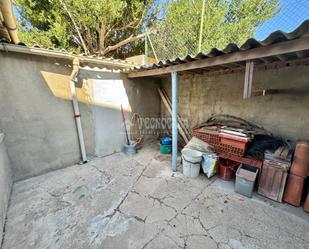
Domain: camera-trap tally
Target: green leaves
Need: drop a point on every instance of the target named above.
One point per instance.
(98, 23)
(95, 25)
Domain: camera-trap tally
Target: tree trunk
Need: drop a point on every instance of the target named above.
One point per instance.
(102, 36)
(76, 27)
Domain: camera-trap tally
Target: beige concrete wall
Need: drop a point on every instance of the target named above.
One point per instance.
(285, 114)
(6, 181)
(39, 125)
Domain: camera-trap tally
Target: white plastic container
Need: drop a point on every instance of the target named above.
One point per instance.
(191, 162)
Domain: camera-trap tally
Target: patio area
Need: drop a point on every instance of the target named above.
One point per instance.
(122, 202)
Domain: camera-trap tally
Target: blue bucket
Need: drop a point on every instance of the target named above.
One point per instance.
(166, 141)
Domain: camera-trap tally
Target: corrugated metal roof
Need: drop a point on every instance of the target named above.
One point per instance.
(275, 37)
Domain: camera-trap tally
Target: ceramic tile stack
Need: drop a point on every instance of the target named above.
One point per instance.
(299, 172)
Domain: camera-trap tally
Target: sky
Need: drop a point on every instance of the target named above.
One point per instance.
(293, 13)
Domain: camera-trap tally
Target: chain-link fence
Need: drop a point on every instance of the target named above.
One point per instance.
(189, 27)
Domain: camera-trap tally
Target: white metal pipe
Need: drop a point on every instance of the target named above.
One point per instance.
(174, 122)
(76, 110)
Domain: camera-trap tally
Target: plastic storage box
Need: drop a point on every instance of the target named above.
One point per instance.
(245, 179)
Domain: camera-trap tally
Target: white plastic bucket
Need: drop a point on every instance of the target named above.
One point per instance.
(191, 162)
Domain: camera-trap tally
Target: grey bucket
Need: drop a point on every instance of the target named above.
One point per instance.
(129, 149)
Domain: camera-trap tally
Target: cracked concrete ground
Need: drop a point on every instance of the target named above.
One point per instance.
(124, 202)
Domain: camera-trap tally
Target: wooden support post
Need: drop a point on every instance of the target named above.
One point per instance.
(248, 79)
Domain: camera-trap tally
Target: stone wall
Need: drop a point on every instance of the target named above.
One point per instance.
(6, 180)
(39, 125)
(285, 114)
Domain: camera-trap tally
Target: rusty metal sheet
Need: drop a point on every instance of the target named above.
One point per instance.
(294, 190)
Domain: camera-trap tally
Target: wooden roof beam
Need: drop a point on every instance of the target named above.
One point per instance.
(251, 54)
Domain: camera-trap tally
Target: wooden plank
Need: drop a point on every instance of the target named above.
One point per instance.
(248, 79)
(183, 126)
(165, 102)
(256, 53)
(265, 92)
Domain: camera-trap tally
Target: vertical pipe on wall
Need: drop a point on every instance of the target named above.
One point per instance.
(76, 110)
(174, 121)
(9, 19)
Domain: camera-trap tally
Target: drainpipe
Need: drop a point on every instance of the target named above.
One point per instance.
(76, 110)
(174, 122)
(9, 19)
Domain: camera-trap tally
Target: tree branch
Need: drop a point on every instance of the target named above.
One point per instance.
(133, 25)
(75, 26)
(131, 38)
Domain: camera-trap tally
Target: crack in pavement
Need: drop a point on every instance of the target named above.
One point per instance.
(152, 239)
(119, 204)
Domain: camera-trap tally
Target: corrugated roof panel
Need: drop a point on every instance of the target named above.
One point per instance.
(90, 59)
(275, 37)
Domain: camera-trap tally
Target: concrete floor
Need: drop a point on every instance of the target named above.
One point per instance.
(122, 202)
